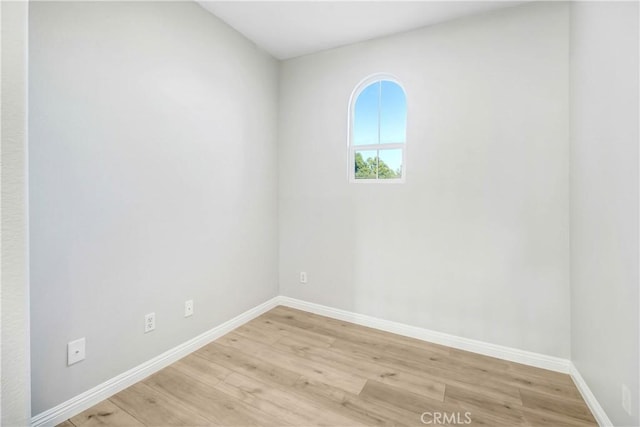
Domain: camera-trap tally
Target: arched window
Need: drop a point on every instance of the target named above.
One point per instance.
(378, 131)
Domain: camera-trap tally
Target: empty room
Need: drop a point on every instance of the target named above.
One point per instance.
(310, 213)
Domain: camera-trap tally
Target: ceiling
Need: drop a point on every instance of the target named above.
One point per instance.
(287, 29)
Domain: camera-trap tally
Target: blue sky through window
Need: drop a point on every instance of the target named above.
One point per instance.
(393, 113)
(365, 120)
(380, 115)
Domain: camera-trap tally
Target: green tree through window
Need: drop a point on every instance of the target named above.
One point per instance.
(366, 169)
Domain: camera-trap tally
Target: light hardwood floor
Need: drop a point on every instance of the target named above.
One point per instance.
(292, 368)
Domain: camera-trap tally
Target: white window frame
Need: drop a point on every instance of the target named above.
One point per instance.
(352, 148)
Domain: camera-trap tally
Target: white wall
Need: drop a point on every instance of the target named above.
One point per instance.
(153, 181)
(604, 201)
(476, 242)
(14, 368)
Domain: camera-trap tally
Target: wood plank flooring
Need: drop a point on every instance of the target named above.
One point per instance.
(292, 368)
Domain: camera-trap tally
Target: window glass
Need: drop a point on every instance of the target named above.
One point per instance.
(390, 164)
(365, 121)
(366, 164)
(393, 113)
(378, 131)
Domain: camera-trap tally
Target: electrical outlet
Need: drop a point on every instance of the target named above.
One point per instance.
(626, 399)
(303, 277)
(75, 351)
(188, 308)
(149, 322)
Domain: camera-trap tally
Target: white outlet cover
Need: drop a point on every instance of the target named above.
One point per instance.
(188, 308)
(149, 322)
(303, 277)
(76, 351)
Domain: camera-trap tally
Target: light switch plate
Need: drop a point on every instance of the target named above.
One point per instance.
(75, 351)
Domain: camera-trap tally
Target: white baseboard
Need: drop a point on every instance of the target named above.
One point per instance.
(593, 404)
(502, 352)
(74, 406)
